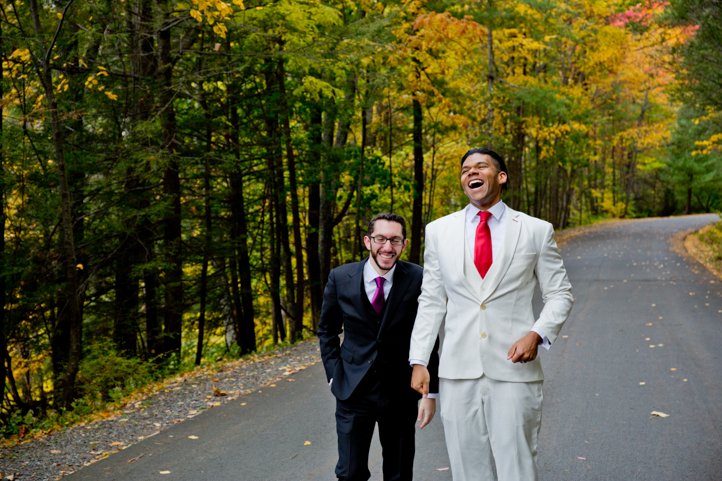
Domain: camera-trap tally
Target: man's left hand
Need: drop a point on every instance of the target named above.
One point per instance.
(525, 349)
(427, 408)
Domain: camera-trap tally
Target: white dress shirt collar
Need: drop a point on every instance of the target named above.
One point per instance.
(370, 284)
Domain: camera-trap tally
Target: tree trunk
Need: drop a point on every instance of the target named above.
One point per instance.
(137, 247)
(417, 210)
(280, 261)
(208, 238)
(66, 340)
(3, 268)
(295, 308)
(241, 289)
(315, 281)
(244, 317)
(173, 275)
(490, 78)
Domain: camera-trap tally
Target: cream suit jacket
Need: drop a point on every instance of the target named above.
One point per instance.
(478, 320)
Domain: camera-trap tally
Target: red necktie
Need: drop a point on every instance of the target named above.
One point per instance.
(482, 244)
(378, 301)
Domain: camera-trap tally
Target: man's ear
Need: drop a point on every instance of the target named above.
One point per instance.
(367, 242)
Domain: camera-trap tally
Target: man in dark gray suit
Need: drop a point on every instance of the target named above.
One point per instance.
(373, 302)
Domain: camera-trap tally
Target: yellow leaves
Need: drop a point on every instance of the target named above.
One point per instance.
(91, 82)
(214, 13)
(20, 55)
(708, 146)
(198, 16)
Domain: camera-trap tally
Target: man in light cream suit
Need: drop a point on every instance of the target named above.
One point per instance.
(490, 379)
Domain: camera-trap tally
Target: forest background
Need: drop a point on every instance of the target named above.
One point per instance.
(177, 178)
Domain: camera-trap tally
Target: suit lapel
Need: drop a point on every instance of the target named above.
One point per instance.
(501, 265)
(455, 237)
(356, 283)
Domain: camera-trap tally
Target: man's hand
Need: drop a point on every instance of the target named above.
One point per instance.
(427, 409)
(420, 379)
(525, 349)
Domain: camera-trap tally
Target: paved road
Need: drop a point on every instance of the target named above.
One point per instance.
(645, 335)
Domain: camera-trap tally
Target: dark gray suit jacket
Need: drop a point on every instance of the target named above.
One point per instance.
(370, 341)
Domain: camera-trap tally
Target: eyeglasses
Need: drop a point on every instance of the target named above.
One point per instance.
(381, 240)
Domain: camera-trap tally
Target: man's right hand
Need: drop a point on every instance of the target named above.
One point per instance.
(420, 379)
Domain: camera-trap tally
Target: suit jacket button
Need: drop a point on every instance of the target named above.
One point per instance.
(483, 335)
(483, 307)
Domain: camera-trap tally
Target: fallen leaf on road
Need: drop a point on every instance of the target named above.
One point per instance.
(443, 469)
(307, 443)
(164, 472)
(132, 460)
(192, 436)
(659, 414)
(642, 383)
(581, 458)
(217, 392)
(55, 451)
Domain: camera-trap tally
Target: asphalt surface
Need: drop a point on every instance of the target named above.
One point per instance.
(633, 387)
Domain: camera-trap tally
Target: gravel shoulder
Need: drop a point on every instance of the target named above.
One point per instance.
(57, 454)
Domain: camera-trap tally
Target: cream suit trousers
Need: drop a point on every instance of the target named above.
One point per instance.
(491, 428)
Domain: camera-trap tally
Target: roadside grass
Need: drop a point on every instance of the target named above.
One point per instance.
(705, 246)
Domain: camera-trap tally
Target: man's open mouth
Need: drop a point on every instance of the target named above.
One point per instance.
(475, 184)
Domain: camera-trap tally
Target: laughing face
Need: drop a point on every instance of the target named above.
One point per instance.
(482, 180)
(384, 255)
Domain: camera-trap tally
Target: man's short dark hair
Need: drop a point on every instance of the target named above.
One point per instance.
(498, 160)
(389, 217)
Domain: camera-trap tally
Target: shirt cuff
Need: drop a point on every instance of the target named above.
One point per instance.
(546, 343)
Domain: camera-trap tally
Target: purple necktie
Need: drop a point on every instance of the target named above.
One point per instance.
(378, 300)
